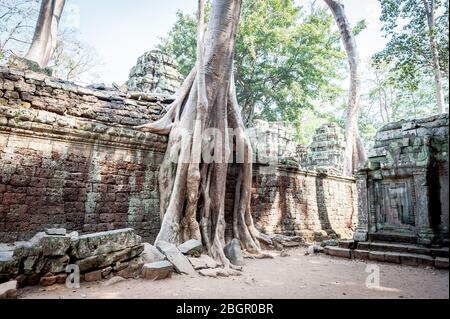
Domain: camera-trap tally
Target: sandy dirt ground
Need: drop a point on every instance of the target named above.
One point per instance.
(295, 276)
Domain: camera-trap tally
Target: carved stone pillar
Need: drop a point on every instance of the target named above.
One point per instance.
(425, 233)
(363, 207)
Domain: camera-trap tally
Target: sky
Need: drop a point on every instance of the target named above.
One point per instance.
(121, 31)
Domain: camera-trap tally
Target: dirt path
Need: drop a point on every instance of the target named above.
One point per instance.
(295, 276)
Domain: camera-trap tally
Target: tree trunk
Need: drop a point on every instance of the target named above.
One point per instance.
(429, 11)
(354, 150)
(193, 174)
(46, 32)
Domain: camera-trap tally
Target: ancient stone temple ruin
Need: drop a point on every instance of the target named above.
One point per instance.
(154, 72)
(272, 141)
(404, 186)
(288, 199)
(403, 196)
(70, 158)
(326, 152)
(76, 174)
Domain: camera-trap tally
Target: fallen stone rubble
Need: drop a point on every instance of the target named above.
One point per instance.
(44, 258)
(110, 255)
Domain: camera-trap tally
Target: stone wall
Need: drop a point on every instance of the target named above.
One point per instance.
(69, 158)
(313, 206)
(403, 188)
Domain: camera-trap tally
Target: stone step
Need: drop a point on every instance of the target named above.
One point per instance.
(404, 248)
(402, 258)
(392, 237)
(338, 251)
(408, 259)
(441, 263)
(347, 243)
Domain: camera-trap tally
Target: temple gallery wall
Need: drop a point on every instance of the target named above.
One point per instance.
(69, 157)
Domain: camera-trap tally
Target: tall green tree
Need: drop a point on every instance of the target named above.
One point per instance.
(387, 99)
(286, 59)
(418, 41)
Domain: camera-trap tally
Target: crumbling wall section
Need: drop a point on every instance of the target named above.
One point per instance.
(70, 158)
(311, 205)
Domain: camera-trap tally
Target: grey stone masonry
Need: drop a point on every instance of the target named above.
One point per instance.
(326, 152)
(403, 187)
(154, 72)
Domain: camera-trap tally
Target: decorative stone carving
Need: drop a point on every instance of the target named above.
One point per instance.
(403, 188)
(326, 152)
(154, 72)
(273, 142)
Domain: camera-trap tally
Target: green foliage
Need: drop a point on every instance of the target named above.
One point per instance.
(286, 59)
(359, 27)
(388, 100)
(408, 49)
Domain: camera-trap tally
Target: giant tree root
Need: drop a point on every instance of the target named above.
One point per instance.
(193, 176)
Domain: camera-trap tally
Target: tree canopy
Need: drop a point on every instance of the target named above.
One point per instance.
(408, 48)
(286, 57)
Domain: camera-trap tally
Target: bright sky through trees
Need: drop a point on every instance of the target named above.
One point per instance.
(122, 30)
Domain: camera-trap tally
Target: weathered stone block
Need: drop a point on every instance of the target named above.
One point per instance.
(339, 252)
(392, 257)
(361, 254)
(56, 231)
(441, 263)
(61, 278)
(9, 266)
(93, 275)
(48, 280)
(178, 260)
(347, 244)
(363, 245)
(58, 264)
(416, 260)
(48, 245)
(8, 290)
(202, 262)
(377, 256)
(104, 242)
(234, 253)
(151, 254)
(101, 261)
(106, 271)
(219, 272)
(133, 270)
(157, 270)
(191, 247)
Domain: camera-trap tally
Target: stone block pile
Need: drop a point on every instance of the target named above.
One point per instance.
(44, 258)
(326, 152)
(154, 72)
(49, 258)
(187, 259)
